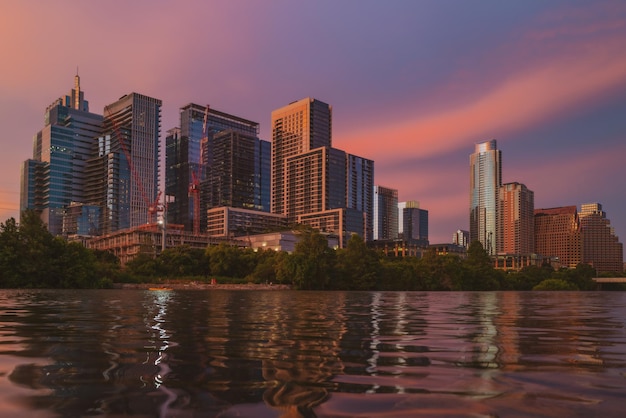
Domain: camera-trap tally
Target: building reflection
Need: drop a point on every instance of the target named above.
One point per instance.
(183, 354)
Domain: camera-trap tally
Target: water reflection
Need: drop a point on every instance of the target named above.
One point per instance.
(307, 354)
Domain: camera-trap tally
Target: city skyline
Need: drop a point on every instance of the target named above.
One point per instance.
(413, 87)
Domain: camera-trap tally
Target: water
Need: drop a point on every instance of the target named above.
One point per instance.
(137, 353)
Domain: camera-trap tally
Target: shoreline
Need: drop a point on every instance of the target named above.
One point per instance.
(200, 286)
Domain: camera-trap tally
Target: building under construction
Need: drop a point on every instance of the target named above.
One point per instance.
(151, 239)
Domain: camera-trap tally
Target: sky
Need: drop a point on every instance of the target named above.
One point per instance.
(414, 84)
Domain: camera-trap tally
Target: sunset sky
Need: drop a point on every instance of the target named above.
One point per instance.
(414, 84)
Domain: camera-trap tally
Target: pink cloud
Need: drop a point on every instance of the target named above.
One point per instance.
(547, 85)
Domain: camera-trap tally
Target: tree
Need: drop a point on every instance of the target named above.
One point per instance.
(313, 261)
(555, 284)
(358, 267)
(479, 271)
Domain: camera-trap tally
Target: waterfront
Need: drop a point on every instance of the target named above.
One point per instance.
(221, 353)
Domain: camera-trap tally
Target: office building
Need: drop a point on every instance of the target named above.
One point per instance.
(517, 223)
(128, 152)
(557, 234)
(385, 213)
(413, 223)
(297, 128)
(360, 190)
(54, 177)
(600, 246)
(485, 182)
(190, 156)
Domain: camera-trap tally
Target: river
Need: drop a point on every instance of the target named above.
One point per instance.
(262, 354)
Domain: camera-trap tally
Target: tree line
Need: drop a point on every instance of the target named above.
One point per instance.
(31, 257)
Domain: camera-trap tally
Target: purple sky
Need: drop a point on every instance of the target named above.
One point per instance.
(413, 84)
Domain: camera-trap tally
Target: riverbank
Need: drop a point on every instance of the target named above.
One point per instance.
(201, 286)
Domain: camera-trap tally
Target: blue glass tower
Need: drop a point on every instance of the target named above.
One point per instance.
(54, 177)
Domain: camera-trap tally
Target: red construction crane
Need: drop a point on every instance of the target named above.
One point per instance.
(194, 185)
(154, 208)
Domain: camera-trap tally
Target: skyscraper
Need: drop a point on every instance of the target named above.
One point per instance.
(600, 246)
(485, 182)
(55, 177)
(189, 154)
(129, 155)
(315, 181)
(413, 222)
(360, 190)
(517, 223)
(238, 172)
(297, 128)
(385, 213)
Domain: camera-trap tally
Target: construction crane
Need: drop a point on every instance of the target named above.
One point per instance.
(194, 185)
(154, 208)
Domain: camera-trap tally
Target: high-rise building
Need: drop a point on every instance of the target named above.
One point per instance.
(517, 223)
(360, 190)
(413, 222)
(557, 234)
(129, 155)
(600, 246)
(238, 170)
(190, 155)
(485, 182)
(297, 128)
(315, 181)
(461, 238)
(385, 213)
(55, 177)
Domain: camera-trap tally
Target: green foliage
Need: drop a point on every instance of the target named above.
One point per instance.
(31, 257)
(358, 267)
(226, 260)
(555, 284)
(312, 262)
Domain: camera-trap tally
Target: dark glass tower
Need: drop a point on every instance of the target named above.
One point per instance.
(190, 157)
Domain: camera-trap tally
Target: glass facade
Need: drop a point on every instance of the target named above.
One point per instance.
(190, 153)
(413, 223)
(55, 177)
(485, 182)
(360, 190)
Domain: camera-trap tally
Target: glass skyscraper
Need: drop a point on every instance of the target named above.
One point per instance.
(190, 151)
(413, 222)
(360, 190)
(54, 178)
(485, 182)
